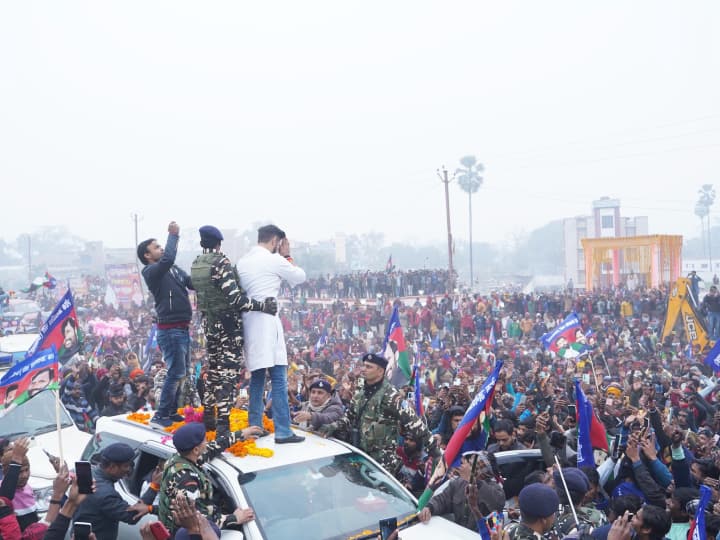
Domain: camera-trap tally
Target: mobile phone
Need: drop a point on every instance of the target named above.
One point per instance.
(586, 378)
(83, 472)
(243, 393)
(387, 526)
(457, 382)
(159, 531)
(572, 411)
(548, 408)
(609, 402)
(411, 396)
(616, 448)
(82, 530)
(659, 389)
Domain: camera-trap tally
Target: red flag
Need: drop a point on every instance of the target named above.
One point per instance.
(598, 435)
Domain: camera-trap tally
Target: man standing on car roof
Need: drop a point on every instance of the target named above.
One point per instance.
(222, 302)
(169, 286)
(184, 474)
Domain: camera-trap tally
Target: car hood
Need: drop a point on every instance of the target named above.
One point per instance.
(436, 528)
(41, 471)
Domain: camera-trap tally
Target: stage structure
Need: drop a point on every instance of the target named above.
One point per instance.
(633, 260)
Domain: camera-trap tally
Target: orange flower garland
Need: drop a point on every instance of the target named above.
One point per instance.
(238, 422)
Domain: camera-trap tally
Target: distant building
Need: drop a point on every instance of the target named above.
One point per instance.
(604, 222)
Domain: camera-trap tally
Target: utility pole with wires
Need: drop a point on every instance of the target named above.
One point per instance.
(451, 277)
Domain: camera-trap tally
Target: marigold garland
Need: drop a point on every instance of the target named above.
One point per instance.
(238, 422)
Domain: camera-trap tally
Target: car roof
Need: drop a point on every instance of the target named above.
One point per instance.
(17, 342)
(314, 446)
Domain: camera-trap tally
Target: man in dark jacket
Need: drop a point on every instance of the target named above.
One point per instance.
(117, 401)
(105, 508)
(324, 407)
(169, 286)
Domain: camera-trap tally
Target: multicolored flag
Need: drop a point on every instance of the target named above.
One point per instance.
(562, 339)
(28, 378)
(61, 330)
(697, 529)
(389, 266)
(395, 352)
(50, 281)
(491, 340)
(479, 409)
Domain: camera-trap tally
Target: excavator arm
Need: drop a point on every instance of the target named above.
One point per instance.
(681, 305)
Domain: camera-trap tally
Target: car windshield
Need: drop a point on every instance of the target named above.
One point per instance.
(328, 498)
(24, 307)
(33, 417)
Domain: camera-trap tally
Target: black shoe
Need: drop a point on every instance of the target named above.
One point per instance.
(291, 439)
(177, 417)
(161, 422)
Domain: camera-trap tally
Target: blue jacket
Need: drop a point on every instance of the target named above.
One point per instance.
(168, 285)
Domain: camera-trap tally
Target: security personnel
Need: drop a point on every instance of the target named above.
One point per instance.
(538, 504)
(105, 508)
(578, 485)
(375, 415)
(184, 474)
(221, 301)
(322, 407)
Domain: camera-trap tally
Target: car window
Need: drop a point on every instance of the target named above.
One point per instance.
(327, 498)
(102, 440)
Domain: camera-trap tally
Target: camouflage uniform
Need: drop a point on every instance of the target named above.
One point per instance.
(372, 423)
(520, 531)
(181, 475)
(588, 517)
(221, 301)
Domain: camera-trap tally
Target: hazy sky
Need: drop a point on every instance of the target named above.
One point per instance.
(334, 116)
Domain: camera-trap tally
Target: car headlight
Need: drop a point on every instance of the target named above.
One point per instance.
(42, 498)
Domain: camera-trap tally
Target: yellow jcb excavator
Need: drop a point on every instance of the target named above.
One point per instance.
(682, 304)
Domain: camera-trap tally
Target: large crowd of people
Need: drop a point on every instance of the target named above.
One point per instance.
(657, 401)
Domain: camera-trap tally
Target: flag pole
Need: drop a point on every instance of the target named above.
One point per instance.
(58, 425)
(567, 492)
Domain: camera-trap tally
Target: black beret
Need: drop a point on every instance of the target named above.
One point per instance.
(375, 359)
(210, 232)
(576, 480)
(538, 501)
(118, 453)
(189, 436)
(322, 384)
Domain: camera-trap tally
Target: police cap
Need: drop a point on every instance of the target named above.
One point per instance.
(208, 232)
(375, 359)
(322, 384)
(576, 480)
(189, 436)
(538, 501)
(118, 453)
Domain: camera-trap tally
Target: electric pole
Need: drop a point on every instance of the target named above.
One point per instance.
(444, 179)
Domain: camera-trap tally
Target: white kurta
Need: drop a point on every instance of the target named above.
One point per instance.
(261, 273)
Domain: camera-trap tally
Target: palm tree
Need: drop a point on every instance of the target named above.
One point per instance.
(469, 179)
(702, 210)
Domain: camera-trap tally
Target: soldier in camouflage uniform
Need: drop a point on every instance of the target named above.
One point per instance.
(578, 485)
(372, 422)
(538, 504)
(221, 301)
(184, 474)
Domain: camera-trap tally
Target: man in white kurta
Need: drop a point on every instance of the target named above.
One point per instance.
(261, 271)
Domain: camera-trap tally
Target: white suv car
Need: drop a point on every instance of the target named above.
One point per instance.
(318, 489)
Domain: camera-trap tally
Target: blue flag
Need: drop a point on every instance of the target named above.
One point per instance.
(712, 360)
(584, 411)
(492, 341)
(698, 527)
(418, 393)
(322, 340)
